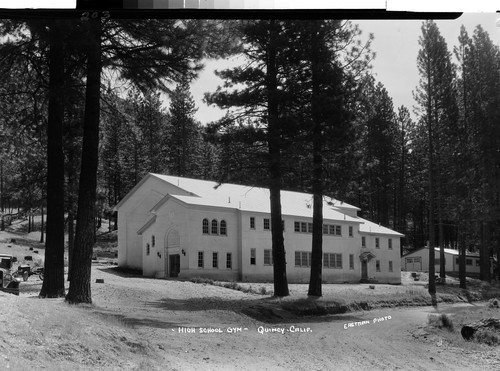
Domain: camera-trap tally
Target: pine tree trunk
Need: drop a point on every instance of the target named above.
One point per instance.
(1, 191)
(80, 291)
(42, 226)
(278, 245)
(484, 252)
(53, 283)
(432, 279)
(461, 256)
(71, 240)
(315, 280)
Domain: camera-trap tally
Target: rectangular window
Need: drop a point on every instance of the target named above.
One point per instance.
(363, 241)
(268, 257)
(253, 259)
(390, 243)
(478, 263)
(350, 231)
(153, 241)
(309, 228)
(267, 224)
(338, 261)
(377, 265)
(305, 260)
(200, 259)
(457, 261)
(332, 229)
(302, 259)
(351, 261)
(147, 249)
(215, 260)
(468, 261)
(252, 222)
(229, 261)
(338, 230)
(297, 258)
(223, 228)
(296, 226)
(333, 261)
(377, 243)
(325, 228)
(303, 227)
(326, 260)
(390, 266)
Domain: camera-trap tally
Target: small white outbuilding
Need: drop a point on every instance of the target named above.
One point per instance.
(418, 261)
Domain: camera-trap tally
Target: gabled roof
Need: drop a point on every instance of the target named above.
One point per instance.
(367, 226)
(147, 225)
(446, 251)
(254, 199)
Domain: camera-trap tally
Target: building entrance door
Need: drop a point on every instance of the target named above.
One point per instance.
(364, 270)
(175, 265)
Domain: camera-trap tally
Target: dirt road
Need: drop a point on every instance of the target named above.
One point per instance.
(195, 326)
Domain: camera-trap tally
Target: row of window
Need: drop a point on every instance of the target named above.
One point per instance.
(331, 229)
(467, 262)
(215, 260)
(214, 228)
(330, 260)
(302, 259)
(377, 242)
(266, 224)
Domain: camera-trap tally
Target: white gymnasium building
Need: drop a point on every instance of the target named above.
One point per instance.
(178, 227)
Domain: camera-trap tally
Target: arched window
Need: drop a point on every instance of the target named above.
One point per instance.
(215, 227)
(223, 228)
(205, 226)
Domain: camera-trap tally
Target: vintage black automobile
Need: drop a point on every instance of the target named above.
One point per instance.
(8, 282)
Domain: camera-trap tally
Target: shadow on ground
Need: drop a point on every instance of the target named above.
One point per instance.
(268, 309)
(138, 322)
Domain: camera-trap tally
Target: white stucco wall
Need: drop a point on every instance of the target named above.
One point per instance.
(384, 255)
(132, 215)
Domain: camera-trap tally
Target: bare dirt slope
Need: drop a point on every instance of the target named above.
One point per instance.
(163, 311)
(139, 323)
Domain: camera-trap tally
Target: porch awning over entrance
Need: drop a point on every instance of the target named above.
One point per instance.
(366, 256)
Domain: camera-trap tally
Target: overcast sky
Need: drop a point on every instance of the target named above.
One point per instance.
(396, 45)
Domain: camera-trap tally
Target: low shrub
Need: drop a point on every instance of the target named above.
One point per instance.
(493, 303)
(207, 281)
(440, 321)
(486, 336)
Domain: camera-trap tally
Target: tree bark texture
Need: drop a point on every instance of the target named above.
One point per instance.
(53, 283)
(274, 139)
(315, 280)
(80, 291)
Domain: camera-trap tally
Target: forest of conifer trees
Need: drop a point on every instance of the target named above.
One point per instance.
(304, 112)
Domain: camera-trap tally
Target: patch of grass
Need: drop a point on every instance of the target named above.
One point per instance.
(207, 281)
(440, 321)
(486, 336)
(231, 285)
